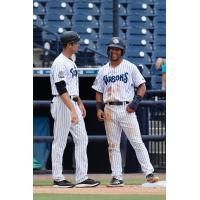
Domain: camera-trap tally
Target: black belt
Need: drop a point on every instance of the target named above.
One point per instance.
(71, 97)
(117, 103)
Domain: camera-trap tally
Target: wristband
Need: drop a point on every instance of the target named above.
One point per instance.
(136, 101)
(100, 105)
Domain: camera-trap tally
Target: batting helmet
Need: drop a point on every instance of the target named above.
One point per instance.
(69, 37)
(118, 43)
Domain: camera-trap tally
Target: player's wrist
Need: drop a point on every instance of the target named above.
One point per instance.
(135, 103)
(100, 106)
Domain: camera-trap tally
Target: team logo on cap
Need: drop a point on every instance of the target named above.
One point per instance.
(115, 41)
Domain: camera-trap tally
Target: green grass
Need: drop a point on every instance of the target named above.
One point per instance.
(96, 197)
(48, 182)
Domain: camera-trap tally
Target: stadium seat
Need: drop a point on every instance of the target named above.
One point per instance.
(38, 9)
(149, 2)
(139, 9)
(107, 32)
(86, 8)
(86, 33)
(59, 7)
(159, 18)
(57, 20)
(160, 40)
(107, 7)
(156, 82)
(37, 21)
(138, 47)
(107, 20)
(139, 21)
(55, 29)
(159, 53)
(86, 43)
(160, 30)
(85, 20)
(146, 35)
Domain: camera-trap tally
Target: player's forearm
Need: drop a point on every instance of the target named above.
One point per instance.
(67, 101)
(99, 101)
(141, 90)
(99, 97)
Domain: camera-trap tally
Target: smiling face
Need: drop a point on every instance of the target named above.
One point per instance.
(115, 53)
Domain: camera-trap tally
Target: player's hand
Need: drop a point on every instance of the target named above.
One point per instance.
(83, 111)
(74, 118)
(100, 115)
(129, 110)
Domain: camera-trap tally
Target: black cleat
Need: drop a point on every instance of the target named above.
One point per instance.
(88, 183)
(151, 178)
(63, 184)
(116, 183)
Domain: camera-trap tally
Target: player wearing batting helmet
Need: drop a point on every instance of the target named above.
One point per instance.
(114, 85)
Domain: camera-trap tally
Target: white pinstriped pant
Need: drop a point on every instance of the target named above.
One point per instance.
(62, 126)
(118, 119)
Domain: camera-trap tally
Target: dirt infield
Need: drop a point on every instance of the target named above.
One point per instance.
(128, 189)
(102, 189)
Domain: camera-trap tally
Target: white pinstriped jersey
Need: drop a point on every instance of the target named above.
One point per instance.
(117, 83)
(64, 69)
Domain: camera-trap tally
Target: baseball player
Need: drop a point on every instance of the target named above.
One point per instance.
(114, 87)
(68, 112)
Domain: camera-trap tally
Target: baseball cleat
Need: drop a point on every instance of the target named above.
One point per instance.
(87, 183)
(63, 184)
(151, 178)
(116, 183)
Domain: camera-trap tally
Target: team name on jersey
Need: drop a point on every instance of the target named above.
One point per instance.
(120, 77)
(73, 72)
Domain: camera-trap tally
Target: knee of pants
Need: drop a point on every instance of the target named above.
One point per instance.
(138, 145)
(82, 140)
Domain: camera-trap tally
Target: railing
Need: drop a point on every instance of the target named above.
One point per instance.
(151, 116)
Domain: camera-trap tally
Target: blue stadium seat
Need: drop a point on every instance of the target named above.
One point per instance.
(107, 32)
(107, 8)
(86, 33)
(137, 34)
(160, 30)
(159, 53)
(159, 18)
(37, 21)
(149, 2)
(42, 1)
(146, 60)
(85, 20)
(86, 8)
(59, 7)
(107, 20)
(156, 82)
(56, 29)
(160, 40)
(86, 43)
(160, 4)
(57, 20)
(139, 21)
(38, 8)
(139, 9)
(139, 47)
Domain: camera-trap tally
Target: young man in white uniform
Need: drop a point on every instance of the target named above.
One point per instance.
(114, 87)
(68, 112)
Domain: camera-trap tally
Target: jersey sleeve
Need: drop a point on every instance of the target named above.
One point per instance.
(137, 77)
(59, 72)
(98, 83)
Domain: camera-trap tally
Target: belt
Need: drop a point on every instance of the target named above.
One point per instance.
(117, 103)
(74, 98)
